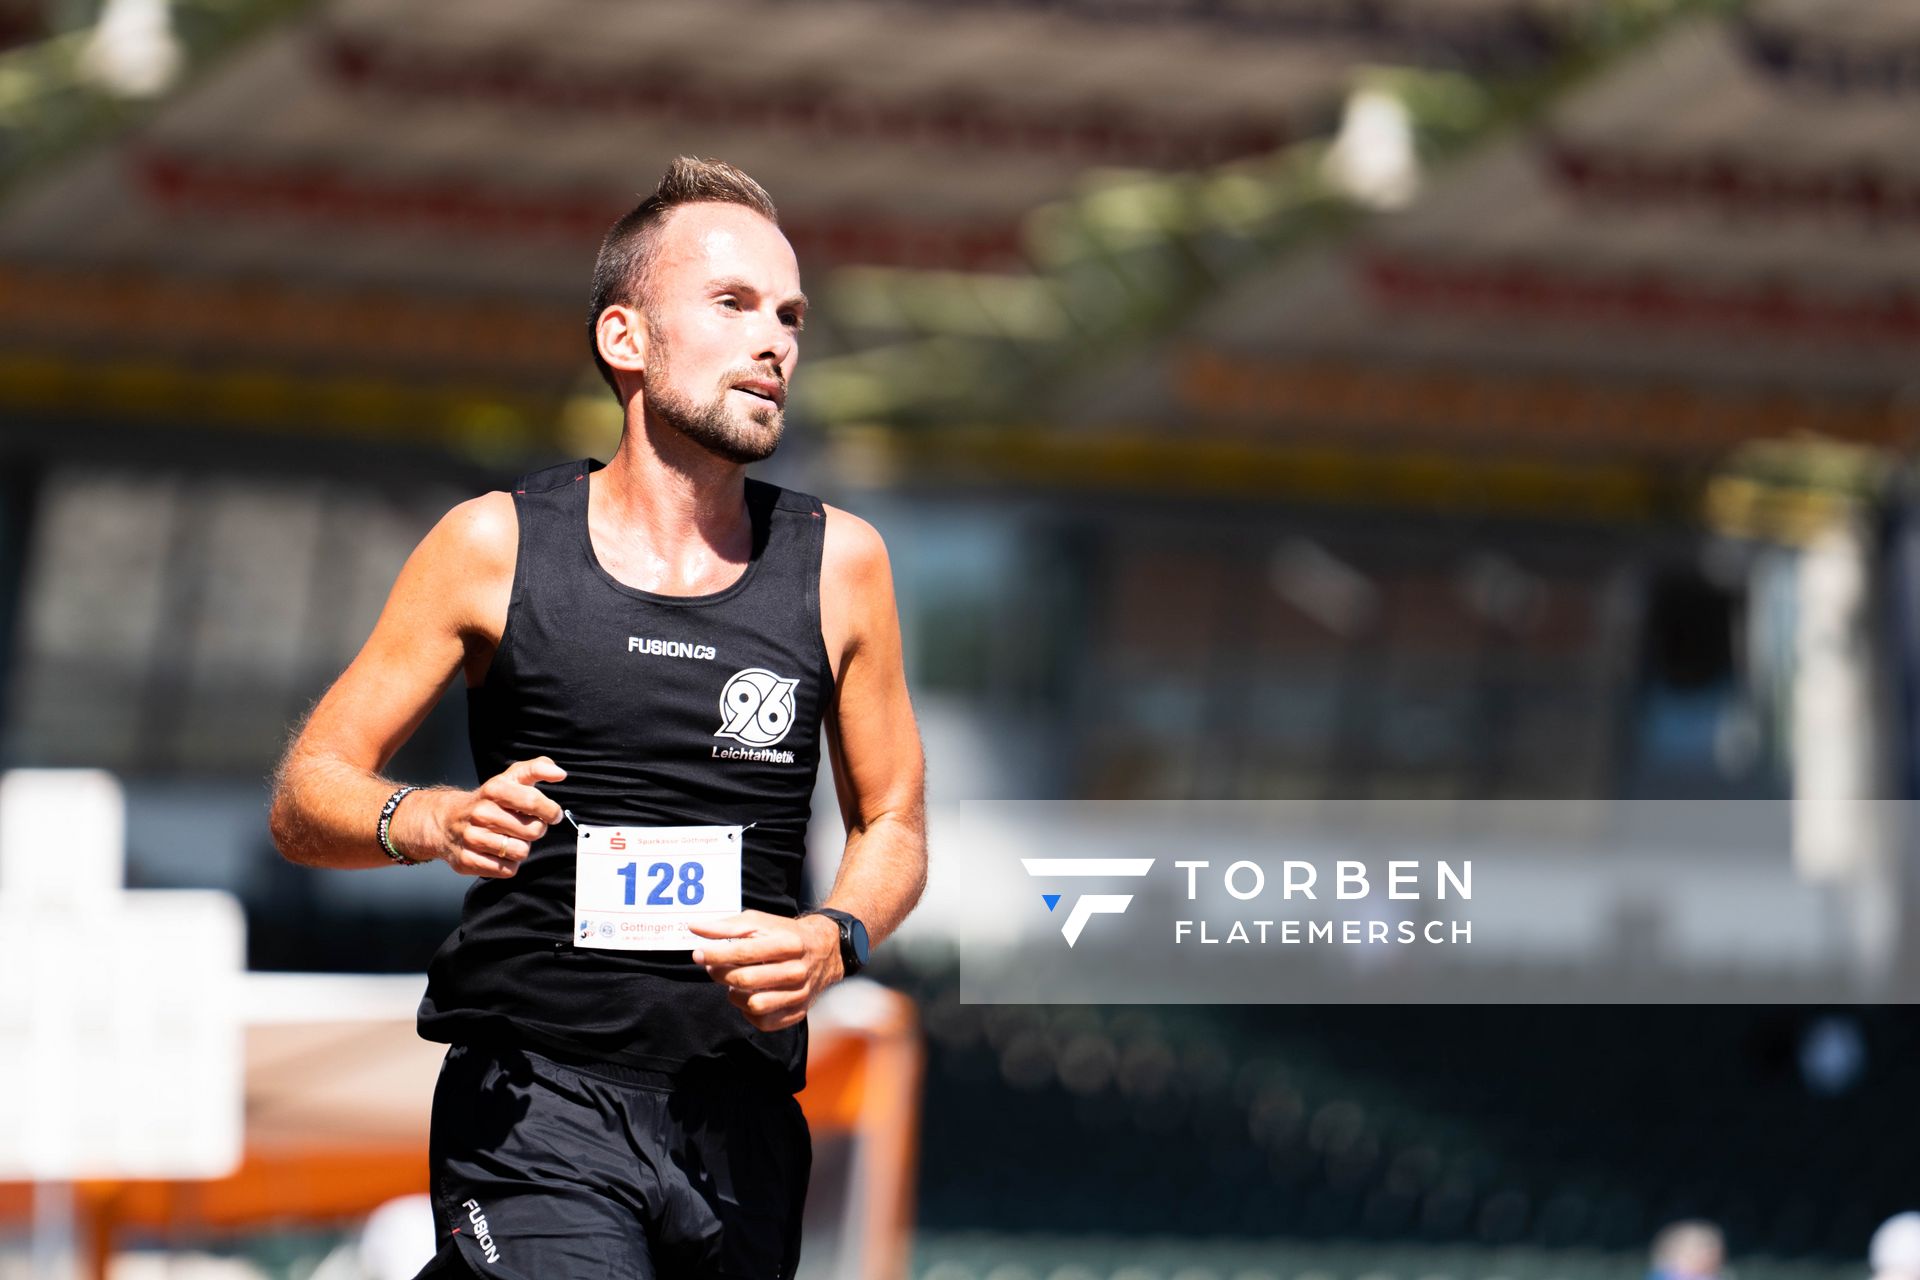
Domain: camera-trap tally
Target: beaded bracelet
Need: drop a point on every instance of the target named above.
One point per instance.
(386, 824)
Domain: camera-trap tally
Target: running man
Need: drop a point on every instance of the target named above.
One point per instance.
(651, 650)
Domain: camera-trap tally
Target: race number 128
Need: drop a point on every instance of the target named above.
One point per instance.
(681, 883)
(637, 888)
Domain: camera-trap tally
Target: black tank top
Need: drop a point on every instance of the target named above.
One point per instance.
(622, 688)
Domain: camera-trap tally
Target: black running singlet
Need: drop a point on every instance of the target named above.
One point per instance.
(623, 689)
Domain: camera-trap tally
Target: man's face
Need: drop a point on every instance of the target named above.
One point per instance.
(723, 308)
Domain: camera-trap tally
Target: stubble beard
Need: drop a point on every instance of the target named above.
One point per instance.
(714, 424)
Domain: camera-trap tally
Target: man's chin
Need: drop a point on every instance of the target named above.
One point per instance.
(752, 451)
(737, 433)
(743, 446)
(760, 435)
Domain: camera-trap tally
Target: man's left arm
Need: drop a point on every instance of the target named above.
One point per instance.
(776, 967)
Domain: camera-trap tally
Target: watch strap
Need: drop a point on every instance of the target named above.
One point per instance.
(850, 961)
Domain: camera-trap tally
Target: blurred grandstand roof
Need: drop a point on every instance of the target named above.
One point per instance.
(1115, 216)
(1726, 217)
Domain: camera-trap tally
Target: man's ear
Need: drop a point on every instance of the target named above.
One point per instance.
(621, 333)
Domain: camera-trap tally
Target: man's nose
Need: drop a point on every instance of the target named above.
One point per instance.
(776, 345)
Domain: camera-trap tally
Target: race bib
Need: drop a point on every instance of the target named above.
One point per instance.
(636, 888)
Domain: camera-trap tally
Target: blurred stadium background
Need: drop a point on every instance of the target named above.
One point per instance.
(1443, 399)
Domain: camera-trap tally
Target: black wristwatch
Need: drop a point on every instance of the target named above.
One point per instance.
(853, 938)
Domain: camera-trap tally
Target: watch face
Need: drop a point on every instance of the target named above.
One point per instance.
(860, 941)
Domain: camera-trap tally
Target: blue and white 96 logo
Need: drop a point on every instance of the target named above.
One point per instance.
(756, 707)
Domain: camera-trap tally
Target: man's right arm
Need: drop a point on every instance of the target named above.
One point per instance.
(448, 605)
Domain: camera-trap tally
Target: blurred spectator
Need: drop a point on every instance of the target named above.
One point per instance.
(1895, 1251)
(1688, 1251)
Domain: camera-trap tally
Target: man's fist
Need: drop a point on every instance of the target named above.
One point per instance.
(484, 832)
(773, 967)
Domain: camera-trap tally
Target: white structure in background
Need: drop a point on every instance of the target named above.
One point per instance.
(133, 51)
(1843, 832)
(395, 1243)
(1894, 1252)
(1373, 158)
(120, 1039)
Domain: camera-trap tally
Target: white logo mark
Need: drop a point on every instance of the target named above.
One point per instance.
(756, 707)
(1088, 905)
(481, 1236)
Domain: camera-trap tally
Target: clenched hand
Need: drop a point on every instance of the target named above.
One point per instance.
(484, 832)
(773, 967)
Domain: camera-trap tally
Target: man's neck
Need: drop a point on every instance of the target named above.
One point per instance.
(670, 508)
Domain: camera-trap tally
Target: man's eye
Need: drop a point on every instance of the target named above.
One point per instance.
(730, 302)
(793, 321)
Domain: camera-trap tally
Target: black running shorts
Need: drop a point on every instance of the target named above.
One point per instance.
(544, 1170)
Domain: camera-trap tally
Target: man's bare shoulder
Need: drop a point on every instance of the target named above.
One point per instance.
(467, 559)
(485, 531)
(856, 587)
(854, 557)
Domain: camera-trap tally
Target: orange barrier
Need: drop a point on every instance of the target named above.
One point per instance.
(337, 1117)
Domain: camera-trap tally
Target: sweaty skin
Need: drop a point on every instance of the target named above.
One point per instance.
(667, 514)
